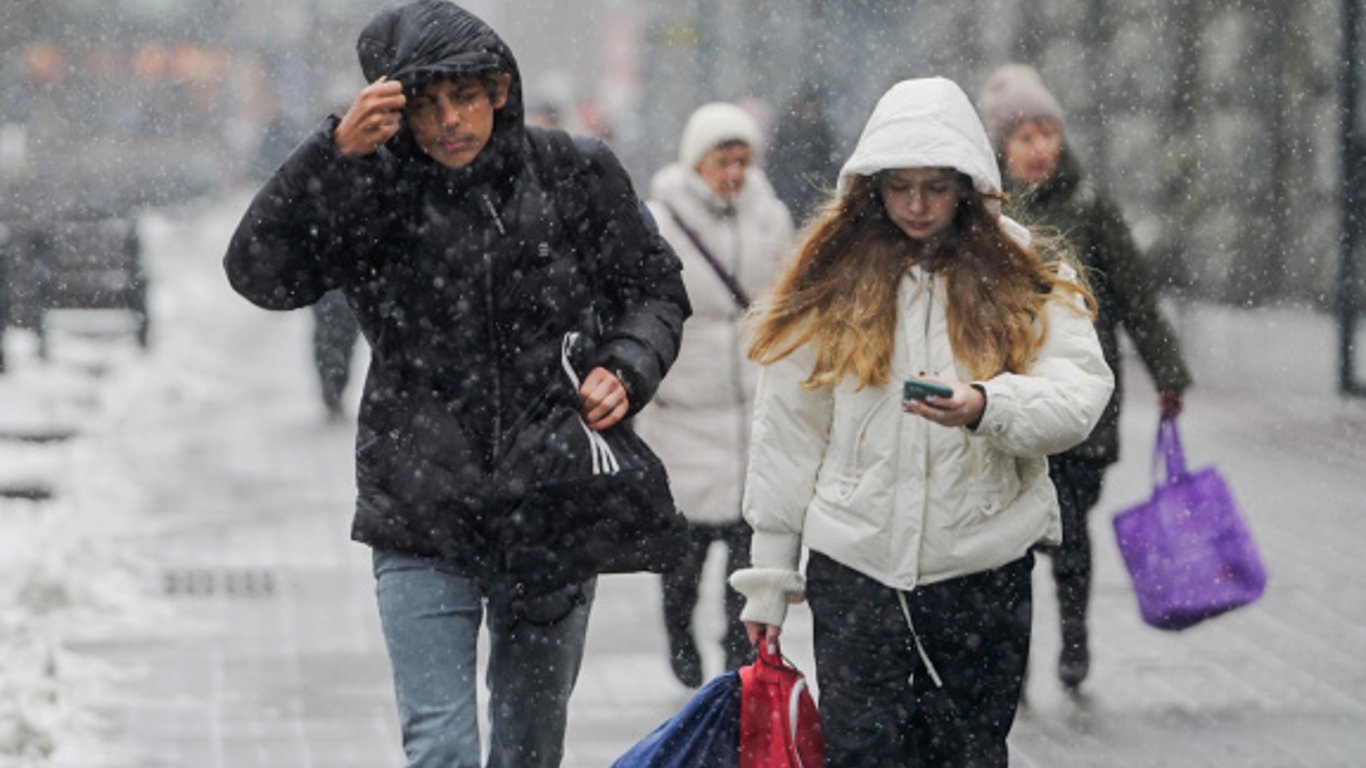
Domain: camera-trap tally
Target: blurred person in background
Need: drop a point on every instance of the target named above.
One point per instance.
(469, 246)
(731, 232)
(802, 158)
(335, 330)
(335, 333)
(920, 516)
(1046, 183)
(279, 136)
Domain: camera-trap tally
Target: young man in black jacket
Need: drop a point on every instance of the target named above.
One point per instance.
(468, 246)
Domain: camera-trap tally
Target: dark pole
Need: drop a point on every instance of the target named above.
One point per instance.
(1278, 46)
(707, 50)
(1098, 34)
(1182, 201)
(1349, 292)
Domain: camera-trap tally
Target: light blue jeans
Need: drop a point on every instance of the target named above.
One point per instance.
(431, 616)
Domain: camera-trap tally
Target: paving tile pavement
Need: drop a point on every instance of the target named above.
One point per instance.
(277, 659)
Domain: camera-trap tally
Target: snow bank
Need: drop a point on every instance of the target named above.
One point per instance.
(70, 569)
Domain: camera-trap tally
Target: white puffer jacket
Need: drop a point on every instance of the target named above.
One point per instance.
(699, 419)
(892, 495)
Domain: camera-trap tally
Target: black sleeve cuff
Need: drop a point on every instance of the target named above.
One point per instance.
(978, 421)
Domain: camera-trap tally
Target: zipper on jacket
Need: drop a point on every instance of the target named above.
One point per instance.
(929, 312)
(737, 357)
(901, 596)
(493, 213)
(929, 433)
(492, 324)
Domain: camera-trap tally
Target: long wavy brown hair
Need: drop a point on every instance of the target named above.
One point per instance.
(839, 292)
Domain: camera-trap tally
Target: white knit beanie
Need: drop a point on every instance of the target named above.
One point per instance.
(712, 125)
(1015, 94)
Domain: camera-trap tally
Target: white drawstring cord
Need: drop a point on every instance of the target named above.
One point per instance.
(924, 657)
(604, 460)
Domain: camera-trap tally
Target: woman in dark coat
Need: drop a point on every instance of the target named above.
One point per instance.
(802, 157)
(1043, 178)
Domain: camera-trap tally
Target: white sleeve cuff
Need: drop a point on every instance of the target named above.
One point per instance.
(767, 593)
(998, 412)
(768, 549)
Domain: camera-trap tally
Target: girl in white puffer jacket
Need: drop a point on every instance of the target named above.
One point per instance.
(712, 200)
(919, 515)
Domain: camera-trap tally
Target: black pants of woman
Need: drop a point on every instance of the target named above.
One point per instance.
(879, 703)
(680, 598)
(1078, 481)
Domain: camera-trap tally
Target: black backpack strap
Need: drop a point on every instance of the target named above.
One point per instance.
(562, 168)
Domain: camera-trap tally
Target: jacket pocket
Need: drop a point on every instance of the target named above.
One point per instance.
(995, 485)
(839, 483)
(862, 448)
(838, 488)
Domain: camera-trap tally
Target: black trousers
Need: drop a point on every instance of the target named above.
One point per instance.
(1079, 482)
(335, 332)
(879, 705)
(680, 587)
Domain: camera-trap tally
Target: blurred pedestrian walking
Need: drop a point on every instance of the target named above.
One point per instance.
(802, 158)
(919, 514)
(1045, 181)
(471, 247)
(731, 233)
(335, 333)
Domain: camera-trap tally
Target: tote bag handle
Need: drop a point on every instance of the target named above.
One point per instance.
(1169, 451)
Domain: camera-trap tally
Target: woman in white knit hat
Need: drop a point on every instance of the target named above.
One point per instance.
(727, 226)
(919, 511)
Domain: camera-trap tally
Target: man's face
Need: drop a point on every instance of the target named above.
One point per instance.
(452, 120)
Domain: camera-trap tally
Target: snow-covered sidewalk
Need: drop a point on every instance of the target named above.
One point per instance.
(188, 596)
(76, 434)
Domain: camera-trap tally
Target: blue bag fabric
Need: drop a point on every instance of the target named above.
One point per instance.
(705, 732)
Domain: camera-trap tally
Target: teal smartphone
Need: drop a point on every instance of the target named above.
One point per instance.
(919, 389)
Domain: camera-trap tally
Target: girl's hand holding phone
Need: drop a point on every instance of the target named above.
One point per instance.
(962, 406)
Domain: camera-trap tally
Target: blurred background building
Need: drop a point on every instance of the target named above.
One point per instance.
(1217, 124)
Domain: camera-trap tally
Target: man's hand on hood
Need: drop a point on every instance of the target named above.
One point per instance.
(372, 119)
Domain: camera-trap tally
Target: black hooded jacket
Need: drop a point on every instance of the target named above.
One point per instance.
(464, 281)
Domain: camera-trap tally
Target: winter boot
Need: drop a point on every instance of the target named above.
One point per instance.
(739, 653)
(1074, 661)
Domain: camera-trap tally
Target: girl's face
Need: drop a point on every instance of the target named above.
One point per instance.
(1032, 151)
(920, 201)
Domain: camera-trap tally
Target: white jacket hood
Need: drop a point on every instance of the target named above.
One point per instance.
(924, 123)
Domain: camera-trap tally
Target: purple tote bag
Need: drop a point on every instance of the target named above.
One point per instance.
(1187, 550)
